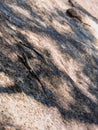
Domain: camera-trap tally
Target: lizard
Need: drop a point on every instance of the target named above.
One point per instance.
(27, 46)
(24, 59)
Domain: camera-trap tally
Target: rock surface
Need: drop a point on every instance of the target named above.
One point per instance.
(62, 48)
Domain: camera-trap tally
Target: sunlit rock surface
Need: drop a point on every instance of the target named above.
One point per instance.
(66, 64)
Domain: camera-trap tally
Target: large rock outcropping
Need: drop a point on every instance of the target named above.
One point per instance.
(59, 39)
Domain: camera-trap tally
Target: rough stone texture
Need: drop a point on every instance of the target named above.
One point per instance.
(67, 65)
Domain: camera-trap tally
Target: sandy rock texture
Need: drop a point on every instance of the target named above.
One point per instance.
(48, 65)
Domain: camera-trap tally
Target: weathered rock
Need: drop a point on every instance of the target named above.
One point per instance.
(63, 52)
